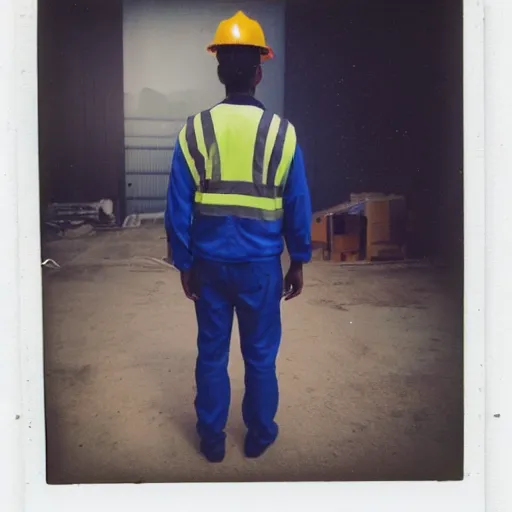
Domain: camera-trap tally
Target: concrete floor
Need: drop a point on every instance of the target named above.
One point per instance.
(370, 372)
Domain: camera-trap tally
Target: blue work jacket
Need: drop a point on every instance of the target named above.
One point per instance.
(232, 239)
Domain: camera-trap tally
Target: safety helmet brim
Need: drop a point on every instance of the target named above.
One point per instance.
(266, 52)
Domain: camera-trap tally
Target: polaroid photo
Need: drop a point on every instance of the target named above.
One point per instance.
(252, 258)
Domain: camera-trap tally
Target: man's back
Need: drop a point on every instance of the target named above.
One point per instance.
(245, 172)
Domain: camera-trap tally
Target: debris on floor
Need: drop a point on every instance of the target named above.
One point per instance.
(136, 220)
(51, 264)
(97, 213)
(78, 220)
(168, 261)
(78, 231)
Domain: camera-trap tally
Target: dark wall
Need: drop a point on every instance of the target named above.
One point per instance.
(375, 91)
(81, 101)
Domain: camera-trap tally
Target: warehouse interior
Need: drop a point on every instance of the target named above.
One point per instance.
(374, 90)
(375, 94)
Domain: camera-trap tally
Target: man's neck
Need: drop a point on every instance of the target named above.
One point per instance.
(243, 99)
(231, 94)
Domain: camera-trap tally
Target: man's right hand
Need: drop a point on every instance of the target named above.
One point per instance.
(293, 281)
(189, 286)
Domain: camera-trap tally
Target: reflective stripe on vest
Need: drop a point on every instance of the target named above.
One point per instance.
(239, 157)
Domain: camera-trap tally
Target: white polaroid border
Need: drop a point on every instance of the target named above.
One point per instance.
(498, 253)
(22, 439)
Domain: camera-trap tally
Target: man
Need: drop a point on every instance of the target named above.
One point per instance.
(237, 187)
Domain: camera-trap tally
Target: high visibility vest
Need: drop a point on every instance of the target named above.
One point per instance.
(239, 157)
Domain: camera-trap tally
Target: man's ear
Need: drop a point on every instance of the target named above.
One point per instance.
(219, 74)
(259, 76)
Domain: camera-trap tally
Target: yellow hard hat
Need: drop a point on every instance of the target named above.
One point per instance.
(240, 29)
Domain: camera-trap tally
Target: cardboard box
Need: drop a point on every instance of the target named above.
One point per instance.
(350, 257)
(346, 243)
(378, 230)
(382, 222)
(378, 233)
(345, 224)
(346, 257)
(386, 231)
(319, 229)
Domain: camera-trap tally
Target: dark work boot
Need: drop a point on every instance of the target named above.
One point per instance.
(254, 449)
(214, 452)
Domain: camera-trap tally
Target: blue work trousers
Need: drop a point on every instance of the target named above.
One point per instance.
(254, 291)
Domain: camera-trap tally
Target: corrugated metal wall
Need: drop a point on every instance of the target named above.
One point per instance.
(81, 135)
(149, 145)
(168, 76)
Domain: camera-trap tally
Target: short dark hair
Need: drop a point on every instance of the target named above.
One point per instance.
(238, 65)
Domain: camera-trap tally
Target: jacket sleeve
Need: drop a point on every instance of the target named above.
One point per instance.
(297, 211)
(179, 210)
